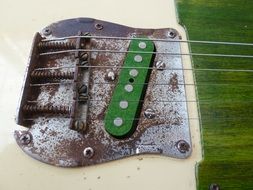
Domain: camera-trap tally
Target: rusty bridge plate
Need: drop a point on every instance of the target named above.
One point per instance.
(65, 117)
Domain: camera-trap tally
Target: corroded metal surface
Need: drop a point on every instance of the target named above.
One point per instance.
(53, 142)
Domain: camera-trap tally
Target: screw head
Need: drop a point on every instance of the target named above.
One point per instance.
(160, 65)
(99, 26)
(88, 152)
(149, 113)
(110, 76)
(214, 186)
(25, 138)
(80, 126)
(172, 34)
(182, 146)
(47, 31)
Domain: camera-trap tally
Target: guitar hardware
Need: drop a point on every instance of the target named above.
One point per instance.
(88, 100)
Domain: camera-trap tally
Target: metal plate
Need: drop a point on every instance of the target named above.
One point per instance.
(50, 140)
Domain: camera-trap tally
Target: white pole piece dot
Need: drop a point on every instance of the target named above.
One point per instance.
(138, 58)
(118, 121)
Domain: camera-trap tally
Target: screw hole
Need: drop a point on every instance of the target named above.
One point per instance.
(99, 26)
(131, 80)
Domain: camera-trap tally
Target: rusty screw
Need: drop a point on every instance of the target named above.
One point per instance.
(160, 65)
(214, 186)
(80, 126)
(25, 138)
(88, 152)
(182, 146)
(149, 113)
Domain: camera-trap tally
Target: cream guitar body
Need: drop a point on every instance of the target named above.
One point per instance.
(19, 171)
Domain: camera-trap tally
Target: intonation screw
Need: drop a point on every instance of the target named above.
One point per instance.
(25, 138)
(80, 126)
(182, 146)
(88, 152)
(214, 186)
(149, 113)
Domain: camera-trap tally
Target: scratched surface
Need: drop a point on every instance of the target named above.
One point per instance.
(52, 140)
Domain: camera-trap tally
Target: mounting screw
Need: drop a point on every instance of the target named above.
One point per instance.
(182, 146)
(46, 31)
(214, 186)
(149, 113)
(80, 126)
(172, 34)
(160, 65)
(99, 26)
(110, 76)
(88, 152)
(25, 138)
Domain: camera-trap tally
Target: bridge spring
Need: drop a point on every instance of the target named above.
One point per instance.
(42, 46)
(46, 109)
(52, 75)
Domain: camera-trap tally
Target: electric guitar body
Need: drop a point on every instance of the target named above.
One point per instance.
(126, 95)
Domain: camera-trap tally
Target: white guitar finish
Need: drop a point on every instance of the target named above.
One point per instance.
(19, 21)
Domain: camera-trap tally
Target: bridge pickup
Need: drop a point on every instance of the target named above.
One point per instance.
(128, 94)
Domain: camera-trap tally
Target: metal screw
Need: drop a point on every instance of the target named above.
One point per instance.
(214, 186)
(110, 76)
(80, 126)
(149, 113)
(84, 56)
(46, 31)
(99, 26)
(138, 58)
(25, 138)
(182, 146)
(160, 65)
(172, 34)
(88, 152)
(83, 89)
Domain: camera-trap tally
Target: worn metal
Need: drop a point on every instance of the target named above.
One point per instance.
(55, 142)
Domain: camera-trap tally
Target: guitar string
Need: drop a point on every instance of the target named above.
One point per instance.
(154, 84)
(145, 119)
(150, 68)
(151, 39)
(146, 52)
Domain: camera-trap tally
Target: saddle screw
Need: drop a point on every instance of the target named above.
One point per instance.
(149, 113)
(182, 146)
(88, 152)
(25, 138)
(80, 126)
(214, 186)
(160, 65)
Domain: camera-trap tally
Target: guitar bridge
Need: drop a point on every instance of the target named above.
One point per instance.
(95, 91)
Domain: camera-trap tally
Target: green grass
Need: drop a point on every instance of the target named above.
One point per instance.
(226, 110)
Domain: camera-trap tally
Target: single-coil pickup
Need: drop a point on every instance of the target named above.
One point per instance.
(127, 99)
